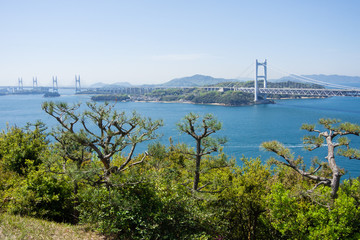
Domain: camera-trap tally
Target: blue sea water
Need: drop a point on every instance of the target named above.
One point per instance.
(245, 127)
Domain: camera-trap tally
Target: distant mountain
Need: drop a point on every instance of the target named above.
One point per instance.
(121, 84)
(113, 85)
(98, 85)
(349, 81)
(196, 81)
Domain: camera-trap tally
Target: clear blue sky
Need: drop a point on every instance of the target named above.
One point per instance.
(155, 41)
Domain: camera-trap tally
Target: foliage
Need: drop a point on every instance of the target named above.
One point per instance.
(248, 200)
(299, 217)
(200, 130)
(240, 207)
(21, 147)
(333, 136)
(109, 97)
(230, 98)
(43, 195)
(138, 212)
(200, 96)
(114, 131)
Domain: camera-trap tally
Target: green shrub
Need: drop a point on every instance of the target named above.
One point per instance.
(137, 212)
(301, 217)
(43, 195)
(17, 146)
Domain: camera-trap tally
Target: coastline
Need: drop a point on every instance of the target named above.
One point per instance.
(140, 99)
(214, 104)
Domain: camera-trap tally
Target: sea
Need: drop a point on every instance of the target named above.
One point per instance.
(245, 127)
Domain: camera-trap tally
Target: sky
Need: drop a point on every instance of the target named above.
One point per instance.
(153, 41)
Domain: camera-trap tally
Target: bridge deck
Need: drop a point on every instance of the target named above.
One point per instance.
(294, 91)
(289, 91)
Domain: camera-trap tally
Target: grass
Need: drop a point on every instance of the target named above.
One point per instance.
(16, 227)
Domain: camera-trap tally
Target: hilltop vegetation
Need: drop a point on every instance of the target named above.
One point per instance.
(200, 96)
(85, 172)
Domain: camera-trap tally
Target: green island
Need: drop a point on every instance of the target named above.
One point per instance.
(201, 96)
(76, 182)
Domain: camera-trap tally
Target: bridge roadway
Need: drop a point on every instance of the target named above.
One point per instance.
(289, 91)
(294, 91)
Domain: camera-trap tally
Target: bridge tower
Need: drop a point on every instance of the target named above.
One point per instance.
(260, 77)
(55, 84)
(20, 83)
(35, 83)
(77, 84)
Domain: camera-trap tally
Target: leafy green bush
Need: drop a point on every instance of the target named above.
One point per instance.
(43, 195)
(19, 146)
(298, 216)
(138, 212)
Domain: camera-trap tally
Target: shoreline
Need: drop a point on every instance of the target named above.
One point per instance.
(267, 101)
(214, 104)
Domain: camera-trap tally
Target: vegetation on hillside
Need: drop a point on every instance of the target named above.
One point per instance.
(111, 97)
(199, 96)
(85, 172)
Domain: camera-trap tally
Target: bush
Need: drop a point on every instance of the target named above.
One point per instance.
(43, 195)
(137, 212)
(18, 146)
(297, 216)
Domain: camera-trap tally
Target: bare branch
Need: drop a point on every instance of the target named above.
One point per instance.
(135, 163)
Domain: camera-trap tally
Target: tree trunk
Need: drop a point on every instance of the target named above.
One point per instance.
(76, 213)
(336, 174)
(197, 167)
(335, 183)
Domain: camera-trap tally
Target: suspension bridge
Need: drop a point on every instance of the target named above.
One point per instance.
(260, 92)
(332, 91)
(36, 89)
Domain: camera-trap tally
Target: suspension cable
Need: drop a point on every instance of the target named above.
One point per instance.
(307, 79)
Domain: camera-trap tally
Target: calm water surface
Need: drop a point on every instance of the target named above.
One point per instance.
(245, 127)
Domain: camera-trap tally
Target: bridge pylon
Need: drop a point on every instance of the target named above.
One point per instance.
(35, 83)
(77, 84)
(20, 84)
(260, 77)
(55, 84)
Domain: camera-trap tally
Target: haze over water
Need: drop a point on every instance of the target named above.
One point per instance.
(246, 127)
